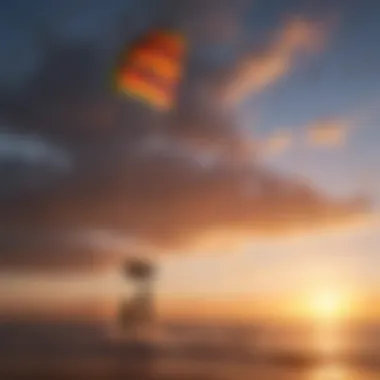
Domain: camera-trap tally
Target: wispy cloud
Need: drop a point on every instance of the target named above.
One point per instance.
(29, 161)
(325, 132)
(32, 149)
(254, 73)
(328, 132)
(277, 143)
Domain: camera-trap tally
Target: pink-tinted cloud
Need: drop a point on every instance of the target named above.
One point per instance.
(277, 143)
(256, 72)
(328, 132)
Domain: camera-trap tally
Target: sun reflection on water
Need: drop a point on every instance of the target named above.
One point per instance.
(329, 346)
(328, 342)
(331, 371)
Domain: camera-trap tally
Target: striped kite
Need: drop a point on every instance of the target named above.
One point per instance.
(152, 69)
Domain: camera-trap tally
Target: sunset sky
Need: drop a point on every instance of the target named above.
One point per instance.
(284, 87)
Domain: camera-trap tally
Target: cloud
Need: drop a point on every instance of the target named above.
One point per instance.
(328, 132)
(277, 143)
(31, 149)
(255, 73)
(89, 160)
(169, 205)
(30, 162)
(61, 251)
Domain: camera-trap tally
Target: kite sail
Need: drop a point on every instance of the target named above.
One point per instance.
(151, 70)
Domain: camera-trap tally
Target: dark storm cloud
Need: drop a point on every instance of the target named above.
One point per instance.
(77, 157)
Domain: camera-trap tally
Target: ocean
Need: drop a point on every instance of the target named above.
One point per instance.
(190, 351)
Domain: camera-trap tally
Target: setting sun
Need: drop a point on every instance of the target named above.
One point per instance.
(327, 305)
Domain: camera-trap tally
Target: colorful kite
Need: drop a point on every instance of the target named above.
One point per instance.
(152, 69)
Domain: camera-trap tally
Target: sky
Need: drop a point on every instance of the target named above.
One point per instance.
(247, 188)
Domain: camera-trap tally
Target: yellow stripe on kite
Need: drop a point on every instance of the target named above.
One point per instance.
(132, 84)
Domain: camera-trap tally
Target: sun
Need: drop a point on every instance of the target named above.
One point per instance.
(327, 305)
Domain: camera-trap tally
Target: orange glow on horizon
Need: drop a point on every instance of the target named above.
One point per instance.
(326, 307)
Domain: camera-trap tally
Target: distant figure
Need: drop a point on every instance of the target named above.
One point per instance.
(137, 315)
